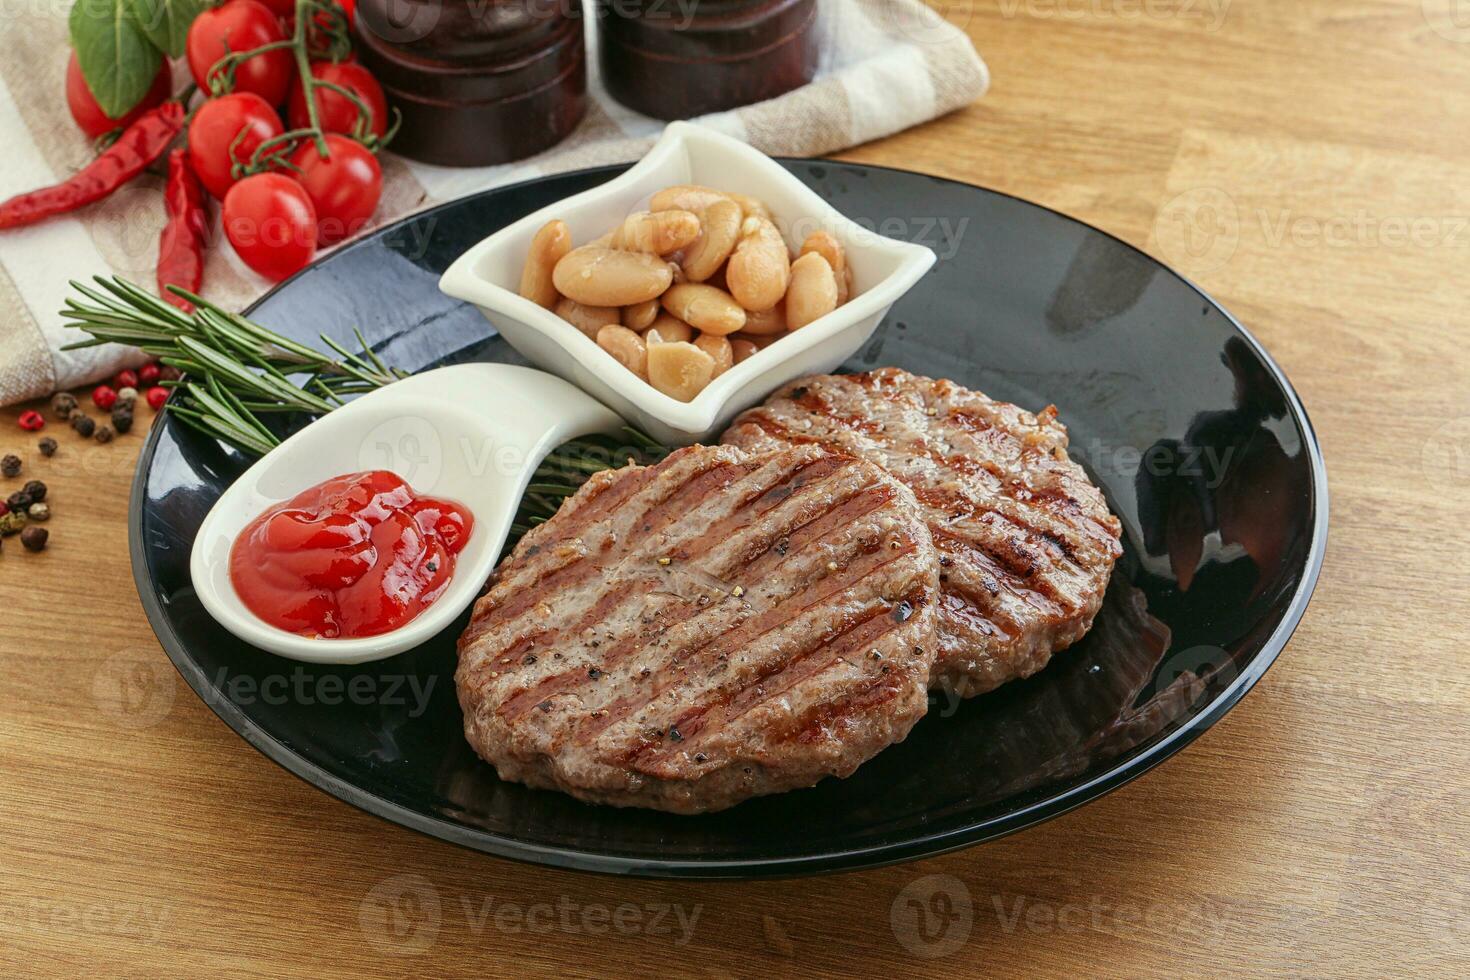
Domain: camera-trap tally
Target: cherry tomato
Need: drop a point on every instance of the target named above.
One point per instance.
(240, 25)
(344, 188)
(270, 221)
(216, 125)
(281, 8)
(89, 115)
(335, 112)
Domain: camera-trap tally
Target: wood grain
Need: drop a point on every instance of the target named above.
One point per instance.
(1273, 153)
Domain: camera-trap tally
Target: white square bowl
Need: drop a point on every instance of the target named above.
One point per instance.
(883, 269)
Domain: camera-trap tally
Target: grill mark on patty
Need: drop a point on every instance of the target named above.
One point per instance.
(721, 706)
(1035, 591)
(576, 572)
(690, 496)
(950, 503)
(767, 500)
(1028, 539)
(519, 702)
(747, 631)
(868, 498)
(968, 607)
(882, 689)
(813, 402)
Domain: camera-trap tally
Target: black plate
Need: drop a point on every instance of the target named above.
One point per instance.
(1201, 445)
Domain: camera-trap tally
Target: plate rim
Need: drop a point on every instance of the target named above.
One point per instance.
(870, 856)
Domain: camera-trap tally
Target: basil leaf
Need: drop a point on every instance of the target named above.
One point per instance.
(166, 22)
(117, 59)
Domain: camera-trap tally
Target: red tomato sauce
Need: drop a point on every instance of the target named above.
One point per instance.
(358, 555)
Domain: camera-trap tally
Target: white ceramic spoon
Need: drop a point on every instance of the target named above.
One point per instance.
(472, 433)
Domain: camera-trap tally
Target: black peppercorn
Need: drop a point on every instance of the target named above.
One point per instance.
(63, 404)
(10, 465)
(47, 446)
(122, 419)
(34, 538)
(104, 433)
(18, 502)
(84, 425)
(37, 490)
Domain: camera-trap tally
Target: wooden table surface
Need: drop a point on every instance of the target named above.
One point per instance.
(1308, 162)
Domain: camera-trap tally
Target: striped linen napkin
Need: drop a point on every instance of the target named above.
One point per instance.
(887, 65)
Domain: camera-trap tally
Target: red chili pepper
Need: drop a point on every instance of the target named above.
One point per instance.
(138, 146)
(181, 246)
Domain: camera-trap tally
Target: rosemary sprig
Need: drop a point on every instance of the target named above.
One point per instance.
(237, 370)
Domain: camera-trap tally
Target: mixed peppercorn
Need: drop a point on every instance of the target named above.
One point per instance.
(22, 510)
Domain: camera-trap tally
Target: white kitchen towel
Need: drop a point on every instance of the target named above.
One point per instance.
(886, 65)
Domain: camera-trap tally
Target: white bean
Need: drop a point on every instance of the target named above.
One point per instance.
(824, 243)
(596, 276)
(813, 291)
(679, 370)
(553, 241)
(588, 319)
(760, 267)
(668, 329)
(659, 232)
(719, 228)
(626, 347)
(704, 308)
(718, 348)
(640, 316)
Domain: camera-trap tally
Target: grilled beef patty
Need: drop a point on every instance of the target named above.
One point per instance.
(718, 626)
(1025, 540)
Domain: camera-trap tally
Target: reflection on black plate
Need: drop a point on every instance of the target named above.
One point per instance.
(1194, 435)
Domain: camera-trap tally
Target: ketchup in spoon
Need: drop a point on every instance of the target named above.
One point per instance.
(357, 555)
